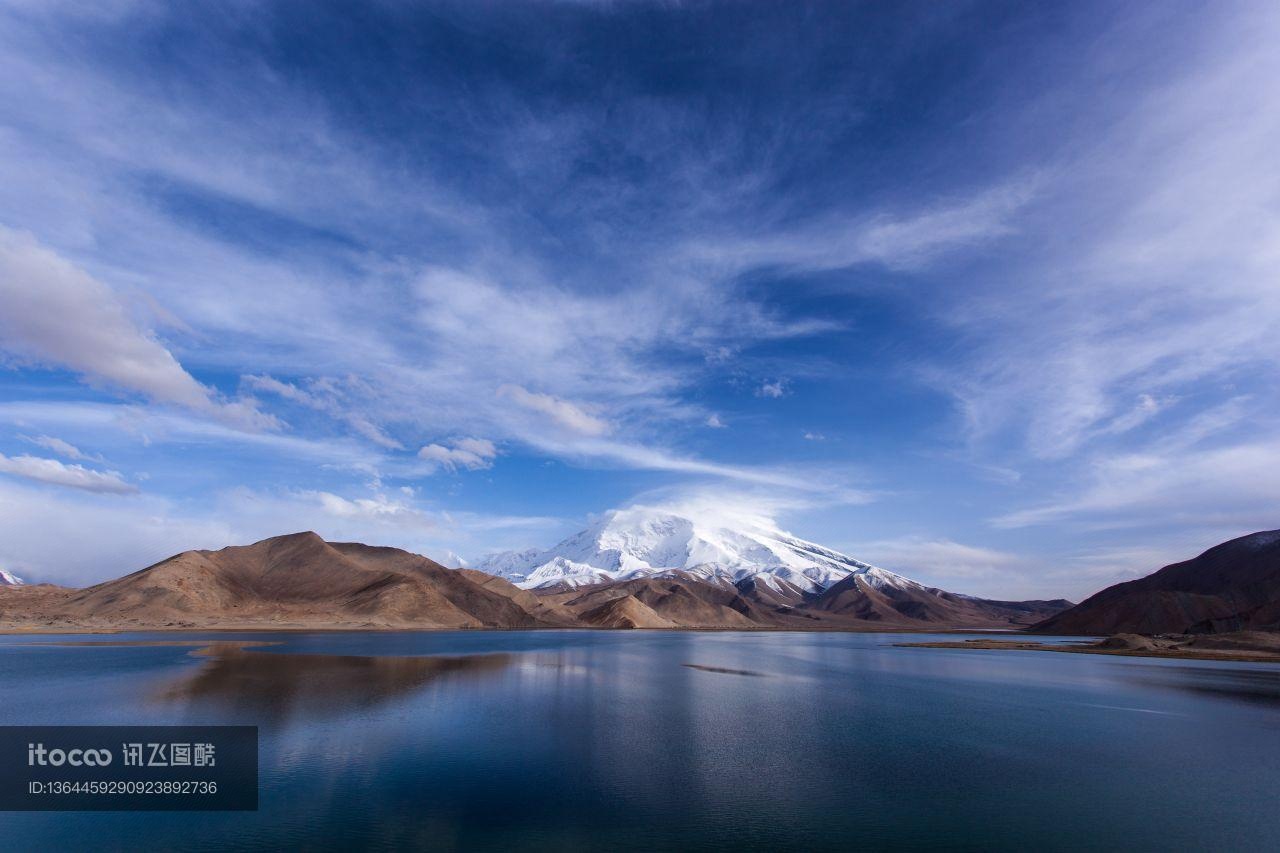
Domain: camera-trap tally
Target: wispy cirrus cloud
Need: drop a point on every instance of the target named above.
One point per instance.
(333, 397)
(1049, 267)
(1161, 285)
(491, 315)
(64, 449)
(1200, 486)
(954, 565)
(72, 476)
(562, 412)
(55, 313)
(147, 426)
(473, 454)
(897, 240)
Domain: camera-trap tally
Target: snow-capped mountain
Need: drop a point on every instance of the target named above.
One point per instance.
(641, 541)
(9, 579)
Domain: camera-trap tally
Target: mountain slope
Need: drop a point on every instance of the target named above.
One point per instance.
(625, 612)
(301, 579)
(9, 579)
(641, 541)
(1231, 587)
(860, 597)
(678, 600)
(854, 604)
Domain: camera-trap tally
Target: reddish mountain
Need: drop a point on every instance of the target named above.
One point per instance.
(852, 604)
(913, 605)
(301, 580)
(1234, 586)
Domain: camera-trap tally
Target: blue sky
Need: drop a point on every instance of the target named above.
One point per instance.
(983, 292)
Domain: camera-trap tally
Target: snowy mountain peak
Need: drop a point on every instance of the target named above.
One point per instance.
(641, 541)
(9, 579)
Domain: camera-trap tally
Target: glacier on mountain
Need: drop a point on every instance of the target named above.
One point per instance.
(643, 541)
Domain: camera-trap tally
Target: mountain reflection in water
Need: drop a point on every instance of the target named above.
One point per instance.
(660, 740)
(277, 686)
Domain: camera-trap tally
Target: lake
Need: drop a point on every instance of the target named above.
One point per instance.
(582, 740)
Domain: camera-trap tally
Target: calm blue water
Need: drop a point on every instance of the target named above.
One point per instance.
(573, 740)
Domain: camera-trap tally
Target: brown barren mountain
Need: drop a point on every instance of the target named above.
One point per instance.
(851, 604)
(624, 612)
(679, 600)
(1234, 586)
(294, 580)
(302, 581)
(856, 598)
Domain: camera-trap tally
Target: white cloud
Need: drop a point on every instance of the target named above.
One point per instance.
(53, 312)
(492, 314)
(479, 446)
(564, 413)
(62, 448)
(150, 426)
(717, 507)
(60, 474)
(750, 504)
(375, 518)
(77, 537)
(714, 422)
(590, 362)
(1146, 408)
(1156, 281)
(471, 453)
(832, 483)
(379, 508)
(1138, 286)
(907, 240)
(773, 389)
(329, 396)
(814, 436)
(980, 570)
(919, 556)
(1198, 486)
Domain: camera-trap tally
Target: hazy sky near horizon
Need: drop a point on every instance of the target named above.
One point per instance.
(987, 293)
